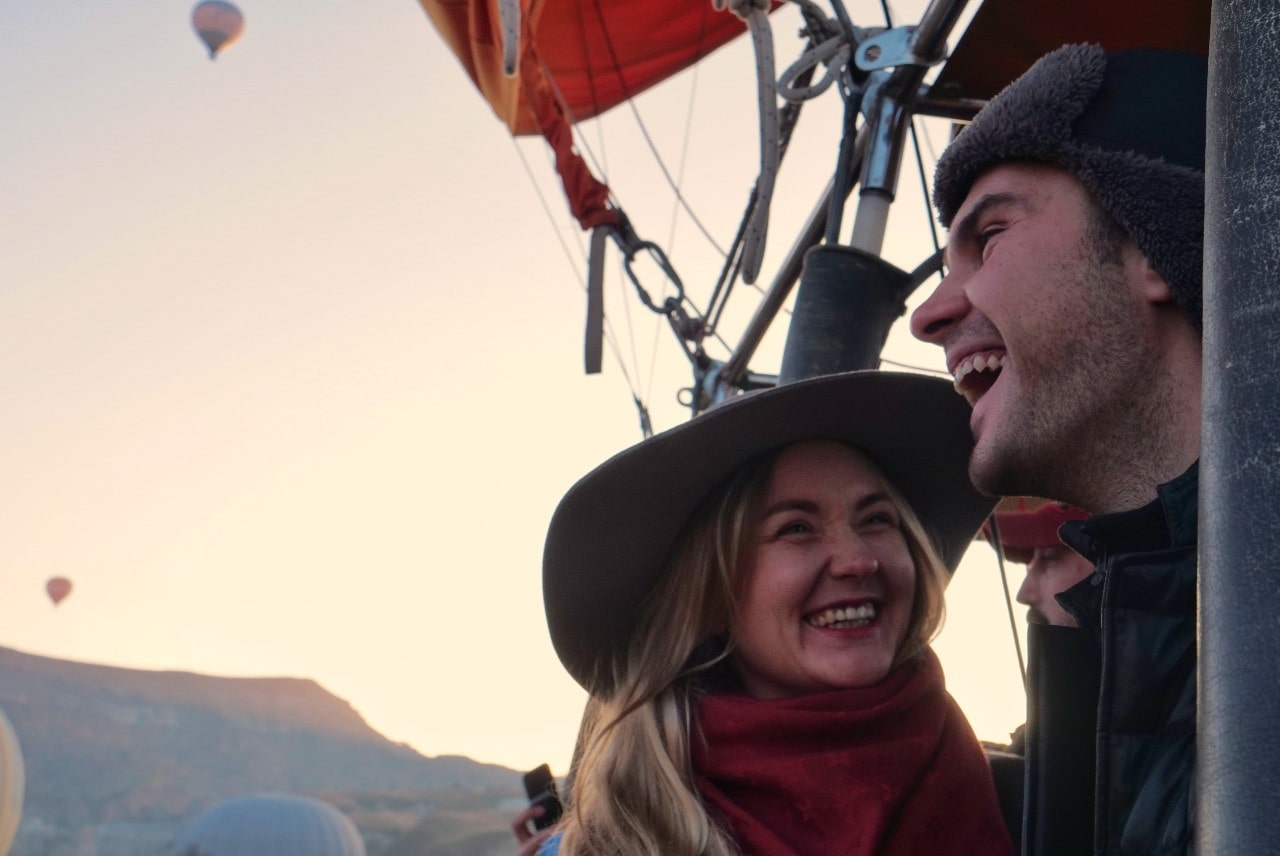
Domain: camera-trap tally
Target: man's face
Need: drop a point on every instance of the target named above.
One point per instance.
(1050, 571)
(1041, 328)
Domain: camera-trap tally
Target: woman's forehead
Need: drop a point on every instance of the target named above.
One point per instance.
(825, 465)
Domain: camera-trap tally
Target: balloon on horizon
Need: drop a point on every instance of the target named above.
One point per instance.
(58, 588)
(271, 824)
(12, 783)
(218, 24)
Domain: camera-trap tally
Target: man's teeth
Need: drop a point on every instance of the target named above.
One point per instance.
(978, 363)
(848, 616)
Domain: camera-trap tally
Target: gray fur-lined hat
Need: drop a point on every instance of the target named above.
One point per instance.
(1130, 126)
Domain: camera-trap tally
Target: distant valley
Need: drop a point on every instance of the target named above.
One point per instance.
(118, 760)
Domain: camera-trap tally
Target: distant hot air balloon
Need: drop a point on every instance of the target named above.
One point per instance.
(271, 825)
(58, 588)
(218, 24)
(12, 783)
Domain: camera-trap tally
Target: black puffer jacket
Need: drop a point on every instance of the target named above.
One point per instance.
(1132, 662)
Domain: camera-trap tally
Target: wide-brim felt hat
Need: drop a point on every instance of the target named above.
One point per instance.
(613, 533)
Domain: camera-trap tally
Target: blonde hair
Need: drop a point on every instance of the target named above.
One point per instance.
(634, 789)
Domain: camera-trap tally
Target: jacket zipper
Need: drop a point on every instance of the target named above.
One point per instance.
(1102, 770)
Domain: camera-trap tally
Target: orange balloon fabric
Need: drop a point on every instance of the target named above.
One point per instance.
(594, 53)
(577, 59)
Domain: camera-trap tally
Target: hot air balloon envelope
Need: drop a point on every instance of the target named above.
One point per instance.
(271, 825)
(12, 783)
(58, 588)
(218, 24)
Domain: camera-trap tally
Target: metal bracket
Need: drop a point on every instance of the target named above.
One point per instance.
(891, 49)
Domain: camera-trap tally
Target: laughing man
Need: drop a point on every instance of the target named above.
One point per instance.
(1070, 317)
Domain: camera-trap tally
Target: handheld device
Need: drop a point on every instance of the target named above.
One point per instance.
(541, 788)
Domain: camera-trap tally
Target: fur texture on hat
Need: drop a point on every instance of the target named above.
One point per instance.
(1129, 126)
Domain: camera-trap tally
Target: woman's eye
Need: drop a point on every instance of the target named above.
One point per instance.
(793, 527)
(882, 518)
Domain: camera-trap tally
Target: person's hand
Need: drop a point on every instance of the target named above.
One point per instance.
(530, 840)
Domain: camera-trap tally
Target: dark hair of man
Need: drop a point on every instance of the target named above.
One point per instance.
(1104, 235)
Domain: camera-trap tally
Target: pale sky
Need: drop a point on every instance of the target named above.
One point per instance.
(291, 355)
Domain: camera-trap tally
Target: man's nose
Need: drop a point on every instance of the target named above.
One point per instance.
(936, 316)
(1026, 592)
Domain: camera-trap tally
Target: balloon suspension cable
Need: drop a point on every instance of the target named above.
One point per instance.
(915, 368)
(928, 200)
(609, 334)
(915, 279)
(1008, 599)
(729, 271)
(888, 15)
(788, 118)
(846, 23)
(646, 424)
(686, 136)
(847, 163)
(644, 133)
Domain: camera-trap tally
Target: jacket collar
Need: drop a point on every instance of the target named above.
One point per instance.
(1167, 521)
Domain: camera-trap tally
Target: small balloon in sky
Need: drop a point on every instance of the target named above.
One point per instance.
(218, 24)
(58, 588)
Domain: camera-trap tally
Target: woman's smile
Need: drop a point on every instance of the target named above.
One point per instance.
(844, 617)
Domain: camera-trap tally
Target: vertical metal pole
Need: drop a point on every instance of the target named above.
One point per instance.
(887, 107)
(1238, 731)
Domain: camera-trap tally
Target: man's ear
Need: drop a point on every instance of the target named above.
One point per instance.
(1149, 283)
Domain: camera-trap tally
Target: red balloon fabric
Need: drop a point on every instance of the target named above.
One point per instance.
(576, 60)
(58, 588)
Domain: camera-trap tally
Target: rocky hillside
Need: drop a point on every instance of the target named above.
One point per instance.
(117, 760)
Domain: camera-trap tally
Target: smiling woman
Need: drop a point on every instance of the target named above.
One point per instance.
(749, 599)
(832, 594)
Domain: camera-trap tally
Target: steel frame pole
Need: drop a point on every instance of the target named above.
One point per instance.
(1238, 723)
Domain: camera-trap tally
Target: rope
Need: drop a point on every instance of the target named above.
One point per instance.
(788, 116)
(756, 15)
(834, 53)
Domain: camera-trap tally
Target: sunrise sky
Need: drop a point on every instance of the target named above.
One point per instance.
(291, 355)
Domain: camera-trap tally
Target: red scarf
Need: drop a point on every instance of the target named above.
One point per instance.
(889, 769)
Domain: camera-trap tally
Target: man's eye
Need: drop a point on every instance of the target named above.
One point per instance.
(985, 237)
